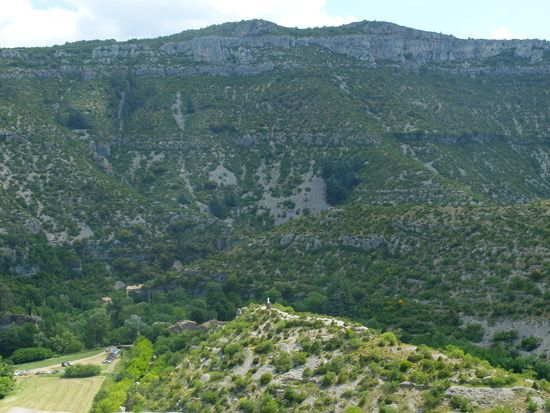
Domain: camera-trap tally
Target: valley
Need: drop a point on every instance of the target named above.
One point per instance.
(396, 179)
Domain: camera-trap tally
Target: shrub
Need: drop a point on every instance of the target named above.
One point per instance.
(530, 343)
(293, 396)
(474, 332)
(6, 385)
(329, 378)
(308, 373)
(388, 338)
(263, 347)
(506, 336)
(405, 365)
(209, 396)
(532, 407)
(265, 378)
(419, 377)
(81, 370)
(311, 347)
(461, 404)
(268, 405)
(28, 354)
(232, 349)
(247, 405)
(282, 362)
(433, 397)
(299, 358)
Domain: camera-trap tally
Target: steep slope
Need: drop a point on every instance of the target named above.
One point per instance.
(424, 270)
(278, 360)
(154, 130)
(418, 164)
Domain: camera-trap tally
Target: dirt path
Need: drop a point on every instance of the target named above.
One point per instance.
(97, 359)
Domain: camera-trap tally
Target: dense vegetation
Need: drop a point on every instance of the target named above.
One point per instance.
(134, 366)
(6, 378)
(81, 370)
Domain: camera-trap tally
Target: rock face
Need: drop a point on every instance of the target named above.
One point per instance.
(18, 319)
(487, 397)
(256, 46)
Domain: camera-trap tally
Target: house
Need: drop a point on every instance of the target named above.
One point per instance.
(106, 300)
(135, 288)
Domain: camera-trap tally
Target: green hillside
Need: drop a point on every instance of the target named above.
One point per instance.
(393, 176)
(279, 360)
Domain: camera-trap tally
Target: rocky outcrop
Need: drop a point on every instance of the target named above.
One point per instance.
(366, 244)
(256, 46)
(18, 319)
(487, 397)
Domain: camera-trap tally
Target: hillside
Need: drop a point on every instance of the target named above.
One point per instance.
(201, 133)
(393, 176)
(410, 267)
(279, 360)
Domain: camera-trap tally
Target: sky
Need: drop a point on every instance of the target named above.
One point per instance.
(50, 22)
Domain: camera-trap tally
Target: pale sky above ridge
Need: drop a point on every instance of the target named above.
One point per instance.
(49, 22)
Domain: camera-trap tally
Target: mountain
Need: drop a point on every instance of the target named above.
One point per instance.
(391, 175)
(278, 360)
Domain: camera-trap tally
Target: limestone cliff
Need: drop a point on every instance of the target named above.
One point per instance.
(257, 46)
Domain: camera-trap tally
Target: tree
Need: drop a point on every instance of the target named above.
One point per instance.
(96, 327)
(315, 302)
(134, 326)
(6, 378)
(7, 299)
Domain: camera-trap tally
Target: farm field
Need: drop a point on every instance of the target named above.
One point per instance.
(53, 394)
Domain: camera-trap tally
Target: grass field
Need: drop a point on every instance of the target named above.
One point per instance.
(53, 393)
(57, 360)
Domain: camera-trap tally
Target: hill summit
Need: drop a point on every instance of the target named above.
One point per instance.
(275, 359)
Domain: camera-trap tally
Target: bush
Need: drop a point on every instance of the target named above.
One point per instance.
(265, 378)
(461, 404)
(6, 378)
(268, 405)
(209, 396)
(81, 370)
(28, 354)
(532, 406)
(506, 336)
(473, 332)
(232, 349)
(299, 358)
(263, 347)
(530, 343)
(388, 338)
(247, 405)
(353, 409)
(328, 379)
(293, 396)
(433, 397)
(282, 362)
(6, 385)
